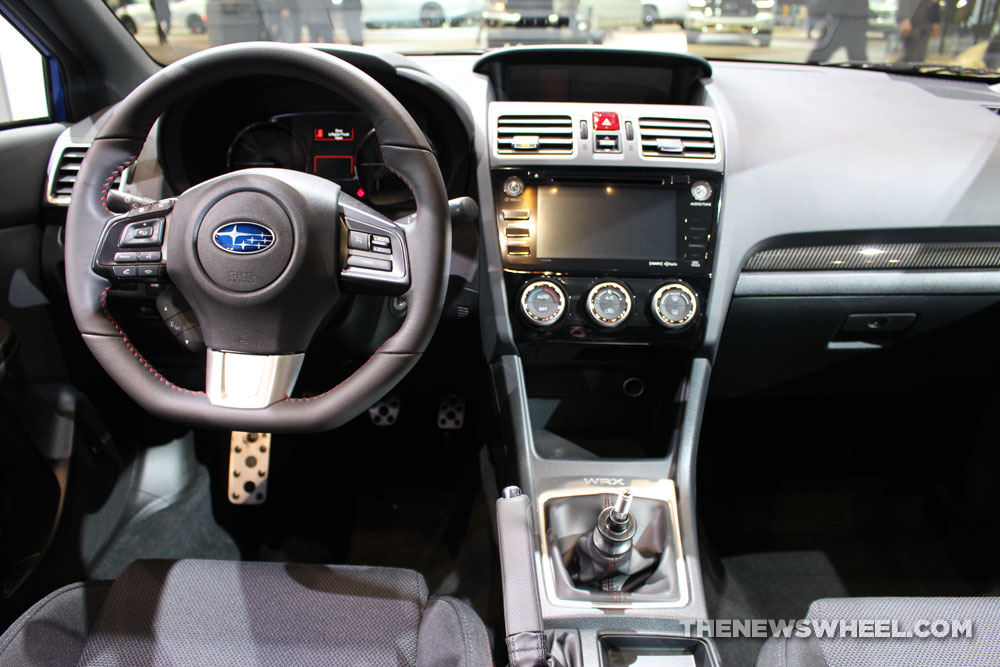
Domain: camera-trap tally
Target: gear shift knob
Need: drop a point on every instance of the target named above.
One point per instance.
(622, 506)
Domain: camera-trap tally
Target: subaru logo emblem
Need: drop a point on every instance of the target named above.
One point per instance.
(243, 238)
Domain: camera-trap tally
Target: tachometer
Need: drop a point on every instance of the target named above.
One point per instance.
(266, 144)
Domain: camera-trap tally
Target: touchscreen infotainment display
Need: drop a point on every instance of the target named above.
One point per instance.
(607, 222)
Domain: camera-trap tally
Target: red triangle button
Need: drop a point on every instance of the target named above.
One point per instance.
(605, 120)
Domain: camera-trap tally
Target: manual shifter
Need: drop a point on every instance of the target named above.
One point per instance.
(605, 551)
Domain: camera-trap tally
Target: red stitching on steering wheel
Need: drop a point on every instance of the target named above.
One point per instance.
(141, 359)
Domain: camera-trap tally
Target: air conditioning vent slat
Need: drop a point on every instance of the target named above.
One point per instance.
(534, 135)
(66, 171)
(677, 138)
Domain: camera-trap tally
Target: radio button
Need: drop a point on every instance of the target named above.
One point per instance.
(609, 304)
(513, 187)
(543, 302)
(517, 232)
(516, 214)
(674, 305)
(518, 250)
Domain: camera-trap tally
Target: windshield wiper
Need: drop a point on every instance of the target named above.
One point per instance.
(924, 69)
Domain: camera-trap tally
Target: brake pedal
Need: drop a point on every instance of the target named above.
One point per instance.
(451, 412)
(249, 467)
(385, 412)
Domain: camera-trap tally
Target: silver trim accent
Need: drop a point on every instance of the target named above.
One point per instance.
(663, 319)
(63, 143)
(511, 492)
(548, 321)
(592, 309)
(250, 381)
(663, 490)
(583, 152)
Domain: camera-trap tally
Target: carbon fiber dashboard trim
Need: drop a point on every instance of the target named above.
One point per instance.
(889, 256)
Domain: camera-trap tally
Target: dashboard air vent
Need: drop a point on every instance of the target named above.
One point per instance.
(65, 173)
(676, 138)
(535, 135)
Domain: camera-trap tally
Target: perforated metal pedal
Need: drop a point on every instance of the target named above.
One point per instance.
(385, 412)
(451, 412)
(249, 467)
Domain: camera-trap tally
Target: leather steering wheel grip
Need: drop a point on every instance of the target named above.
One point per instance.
(428, 235)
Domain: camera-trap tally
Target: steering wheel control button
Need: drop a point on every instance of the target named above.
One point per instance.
(381, 241)
(365, 262)
(126, 272)
(142, 233)
(147, 256)
(674, 305)
(249, 467)
(181, 322)
(516, 214)
(543, 302)
(125, 257)
(358, 240)
(149, 271)
(513, 187)
(609, 304)
(701, 191)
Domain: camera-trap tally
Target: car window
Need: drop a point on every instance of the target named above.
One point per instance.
(22, 78)
(904, 34)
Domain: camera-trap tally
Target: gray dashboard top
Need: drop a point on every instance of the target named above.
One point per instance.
(813, 150)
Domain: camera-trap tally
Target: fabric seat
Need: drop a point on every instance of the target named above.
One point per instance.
(981, 649)
(195, 612)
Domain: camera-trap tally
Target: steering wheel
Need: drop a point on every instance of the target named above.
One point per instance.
(261, 255)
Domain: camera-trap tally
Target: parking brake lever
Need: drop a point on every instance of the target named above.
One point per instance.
(526, 644)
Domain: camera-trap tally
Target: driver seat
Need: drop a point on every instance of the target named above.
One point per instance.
(201, 612)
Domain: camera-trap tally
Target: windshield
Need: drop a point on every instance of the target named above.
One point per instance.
(892, 33)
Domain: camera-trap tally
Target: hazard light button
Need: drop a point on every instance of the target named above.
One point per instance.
(605, 120)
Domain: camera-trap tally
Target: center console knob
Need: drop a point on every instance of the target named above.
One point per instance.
(609, 304)
(674, 305)
(543, 302)
(513, 187)
(701, 190)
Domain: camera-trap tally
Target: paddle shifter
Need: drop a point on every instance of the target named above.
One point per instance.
(603, 553)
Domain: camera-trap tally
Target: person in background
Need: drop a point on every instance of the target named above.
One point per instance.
(349, 12)
(918, 20)
(161, 11)
(845, 24)
(316, 16)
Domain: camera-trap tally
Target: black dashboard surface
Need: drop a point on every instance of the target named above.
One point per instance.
(278, 122)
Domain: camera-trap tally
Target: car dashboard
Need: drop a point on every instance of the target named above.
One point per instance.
(647, 222)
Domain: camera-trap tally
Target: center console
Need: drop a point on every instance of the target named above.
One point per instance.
(606, 256)
(606, 218)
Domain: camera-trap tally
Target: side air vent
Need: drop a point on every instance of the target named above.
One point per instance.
(676, 138)
(64, 175)
(535, 135)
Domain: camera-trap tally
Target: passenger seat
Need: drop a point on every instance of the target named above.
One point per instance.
(982, 648)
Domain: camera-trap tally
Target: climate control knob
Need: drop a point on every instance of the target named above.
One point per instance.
(674, 305)
(543, 302)
(609, 304)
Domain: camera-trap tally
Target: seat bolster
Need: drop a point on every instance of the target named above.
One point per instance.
(54, 630)
(791, 652)
(452, 635)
